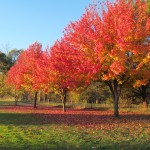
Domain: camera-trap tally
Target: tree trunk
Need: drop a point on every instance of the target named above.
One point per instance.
(115, 90)
(45, 97)
(64, 106)
(35, 99)
(16, 100)
(64, 98)
(116, 99)
(144, 96)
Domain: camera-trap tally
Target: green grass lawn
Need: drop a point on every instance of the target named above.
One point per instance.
(25, 128)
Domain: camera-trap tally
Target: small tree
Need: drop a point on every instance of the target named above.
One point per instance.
(60, 70)
(24, 75)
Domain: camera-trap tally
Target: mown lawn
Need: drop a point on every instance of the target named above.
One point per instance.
(48, 128)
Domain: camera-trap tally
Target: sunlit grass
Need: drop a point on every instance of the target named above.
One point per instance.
(54, 137)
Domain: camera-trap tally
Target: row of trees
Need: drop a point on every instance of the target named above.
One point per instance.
(109, 43)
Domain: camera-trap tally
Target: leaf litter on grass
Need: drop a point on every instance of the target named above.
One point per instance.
(83, 129)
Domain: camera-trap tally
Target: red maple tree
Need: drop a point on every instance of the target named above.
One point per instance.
(24, 74)
(115, 40)
(61, 69)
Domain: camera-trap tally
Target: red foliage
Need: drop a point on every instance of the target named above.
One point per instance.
(24, 74)
(62, 67)
(113, 40)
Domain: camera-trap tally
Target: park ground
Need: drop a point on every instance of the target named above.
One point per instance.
(48, 128)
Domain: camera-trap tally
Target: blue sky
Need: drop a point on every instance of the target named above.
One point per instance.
(22, 22)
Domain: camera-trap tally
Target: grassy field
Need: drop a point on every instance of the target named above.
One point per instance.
(48, 128)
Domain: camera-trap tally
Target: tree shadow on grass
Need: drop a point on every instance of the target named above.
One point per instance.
(64, 145)
(75, 118)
